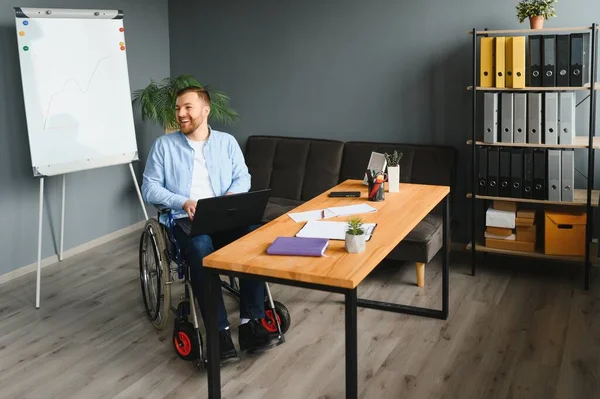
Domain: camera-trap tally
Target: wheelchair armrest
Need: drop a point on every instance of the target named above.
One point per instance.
(162, 210)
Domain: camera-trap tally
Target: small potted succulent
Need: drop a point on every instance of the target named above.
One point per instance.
(537, 11)
(355, 236)
(393, 170)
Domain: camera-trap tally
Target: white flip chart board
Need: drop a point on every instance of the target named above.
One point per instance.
(76, 89)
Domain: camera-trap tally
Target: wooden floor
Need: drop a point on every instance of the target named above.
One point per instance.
(516, 330)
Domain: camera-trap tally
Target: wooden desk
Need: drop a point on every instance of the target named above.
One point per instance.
(339, 272)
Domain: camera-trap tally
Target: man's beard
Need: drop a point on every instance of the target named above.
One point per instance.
(190, 127)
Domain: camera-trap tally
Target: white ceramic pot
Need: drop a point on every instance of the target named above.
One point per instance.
(355, 244)
(393, 178)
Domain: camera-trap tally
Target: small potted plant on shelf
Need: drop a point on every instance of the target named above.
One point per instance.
(537, 11)
(355, 236)
(393, 170)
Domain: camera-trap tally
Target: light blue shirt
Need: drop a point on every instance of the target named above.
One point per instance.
(168, 174)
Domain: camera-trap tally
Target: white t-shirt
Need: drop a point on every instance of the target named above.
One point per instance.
(201, 187)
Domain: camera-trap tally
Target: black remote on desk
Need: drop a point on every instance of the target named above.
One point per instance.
(344, 194)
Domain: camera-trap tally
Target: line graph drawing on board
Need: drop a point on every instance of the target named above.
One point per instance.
(82, 90)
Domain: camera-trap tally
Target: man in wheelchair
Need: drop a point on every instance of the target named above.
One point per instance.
(199, 162)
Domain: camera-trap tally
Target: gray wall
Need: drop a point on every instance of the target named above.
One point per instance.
(393, 71)
(100, 201)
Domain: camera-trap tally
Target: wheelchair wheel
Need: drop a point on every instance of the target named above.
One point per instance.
(186, 339)
(154, 274)
(283, 316)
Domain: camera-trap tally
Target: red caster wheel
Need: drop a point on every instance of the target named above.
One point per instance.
(283, 316)
(186, 340)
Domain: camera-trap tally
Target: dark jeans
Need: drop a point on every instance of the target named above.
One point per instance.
(193, 249)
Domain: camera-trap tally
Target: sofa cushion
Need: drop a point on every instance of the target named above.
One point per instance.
(422, 243)
(294, 168)
(289, 168)
(260, 152)
(279, 206)
(322, 168)
(434, 165)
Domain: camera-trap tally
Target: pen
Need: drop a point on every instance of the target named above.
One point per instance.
(374, 190)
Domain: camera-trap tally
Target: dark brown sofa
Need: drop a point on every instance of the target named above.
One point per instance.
(298, 169)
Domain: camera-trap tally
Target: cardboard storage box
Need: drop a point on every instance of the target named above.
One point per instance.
(499, 231)
(525, 218)
(524, 222)
(526, 233)
(510, 237)
(526, 214)
(522, 246)
(506, 206)
(564, 233)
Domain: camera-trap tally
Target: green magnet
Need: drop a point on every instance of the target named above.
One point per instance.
(26, 48)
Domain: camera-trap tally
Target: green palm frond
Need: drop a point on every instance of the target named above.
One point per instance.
(220, 110)
(157, 102)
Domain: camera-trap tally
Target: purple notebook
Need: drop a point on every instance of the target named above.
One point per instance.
(300, 246)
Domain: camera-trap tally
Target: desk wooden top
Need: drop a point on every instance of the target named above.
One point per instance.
(396, 216)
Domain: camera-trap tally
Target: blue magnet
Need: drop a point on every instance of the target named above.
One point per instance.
(25, 22)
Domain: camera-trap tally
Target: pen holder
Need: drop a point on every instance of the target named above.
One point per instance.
(376, 192)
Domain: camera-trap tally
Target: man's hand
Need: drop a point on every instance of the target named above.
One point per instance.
(189, 207)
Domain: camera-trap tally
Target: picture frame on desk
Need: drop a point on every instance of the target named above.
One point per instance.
(377, 162)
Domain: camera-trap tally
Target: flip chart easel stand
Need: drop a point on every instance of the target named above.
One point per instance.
(62, 226)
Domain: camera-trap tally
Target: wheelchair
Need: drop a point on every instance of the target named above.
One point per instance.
(161, 264)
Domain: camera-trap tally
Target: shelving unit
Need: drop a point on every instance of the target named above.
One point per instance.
(587, 198)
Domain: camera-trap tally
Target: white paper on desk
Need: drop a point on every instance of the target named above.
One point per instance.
(331, 230)
(306, 216)
(348, 210)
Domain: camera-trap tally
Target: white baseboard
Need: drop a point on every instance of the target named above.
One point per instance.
(71, 252)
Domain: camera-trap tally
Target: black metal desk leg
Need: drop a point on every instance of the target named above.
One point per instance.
(445, 257)
(212, 287)
(351, 346)
(419, 311)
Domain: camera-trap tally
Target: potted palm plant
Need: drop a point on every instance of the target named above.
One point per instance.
(355, 236)
(393, 170)
(537, 11)
(157, 102)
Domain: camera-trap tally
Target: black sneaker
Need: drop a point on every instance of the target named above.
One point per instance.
(226, 348)
(254, 337)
